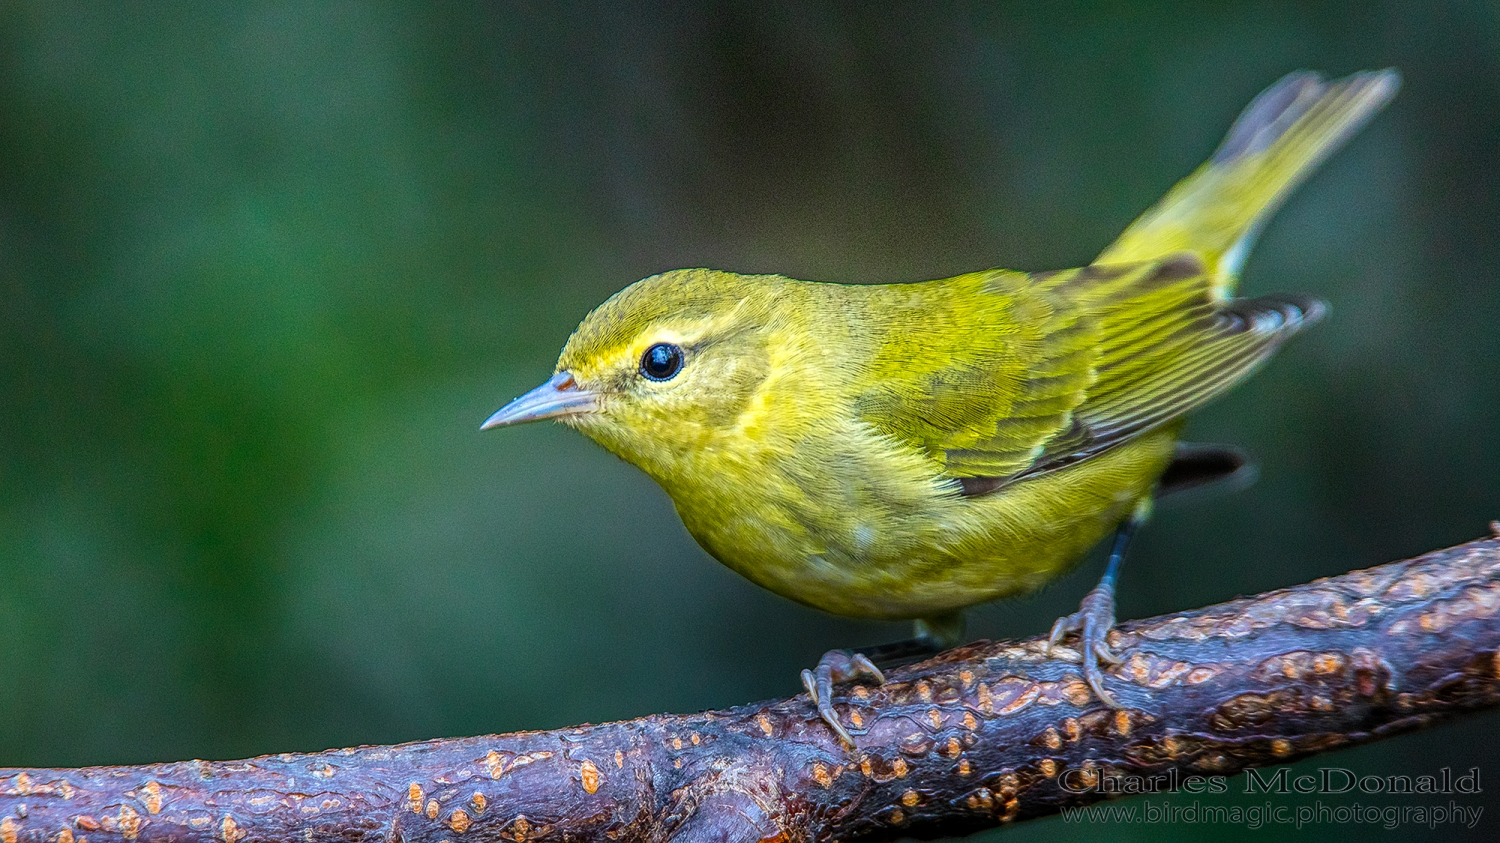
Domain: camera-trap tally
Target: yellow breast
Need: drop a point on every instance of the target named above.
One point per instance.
(854, 523)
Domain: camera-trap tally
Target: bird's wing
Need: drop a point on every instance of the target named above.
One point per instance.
(1071, 363)
(980, 371)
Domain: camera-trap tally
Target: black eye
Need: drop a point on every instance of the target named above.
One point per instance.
(661, 362)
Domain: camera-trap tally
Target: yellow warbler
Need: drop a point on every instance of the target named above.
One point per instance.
(908, 450)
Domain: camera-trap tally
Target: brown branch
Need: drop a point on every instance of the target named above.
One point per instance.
(981, 735)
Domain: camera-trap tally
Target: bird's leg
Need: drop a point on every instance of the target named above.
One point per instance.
(839, 666)
(1096, 615)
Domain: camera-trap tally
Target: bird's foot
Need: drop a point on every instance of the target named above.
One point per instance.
(837, 667)
(1093, 621)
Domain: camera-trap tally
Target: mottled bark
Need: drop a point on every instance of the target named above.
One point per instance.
(981, 735)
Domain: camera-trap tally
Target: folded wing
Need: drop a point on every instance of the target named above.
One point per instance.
(1069, 363)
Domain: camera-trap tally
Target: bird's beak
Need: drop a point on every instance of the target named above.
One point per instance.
(560, 396)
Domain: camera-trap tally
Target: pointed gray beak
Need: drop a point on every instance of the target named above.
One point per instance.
(560, 396)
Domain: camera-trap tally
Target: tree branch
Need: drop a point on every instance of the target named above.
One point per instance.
(985, 734)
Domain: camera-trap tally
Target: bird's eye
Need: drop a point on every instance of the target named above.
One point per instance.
(661, 362)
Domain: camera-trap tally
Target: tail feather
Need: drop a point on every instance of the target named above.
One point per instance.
(1276, 142)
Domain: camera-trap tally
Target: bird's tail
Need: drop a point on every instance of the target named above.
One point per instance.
(1274, 144)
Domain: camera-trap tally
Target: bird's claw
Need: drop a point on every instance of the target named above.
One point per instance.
(1093, 621)
(836, 667)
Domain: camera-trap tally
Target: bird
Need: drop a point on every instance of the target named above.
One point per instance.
(905, 451)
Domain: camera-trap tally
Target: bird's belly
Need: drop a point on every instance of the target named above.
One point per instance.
(953, 553)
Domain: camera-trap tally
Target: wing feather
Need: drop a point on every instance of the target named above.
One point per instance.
(1053, 368)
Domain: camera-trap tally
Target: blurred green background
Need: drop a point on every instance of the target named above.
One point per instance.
(264, 268)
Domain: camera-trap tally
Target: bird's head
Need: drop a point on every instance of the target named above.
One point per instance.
(659, 371)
